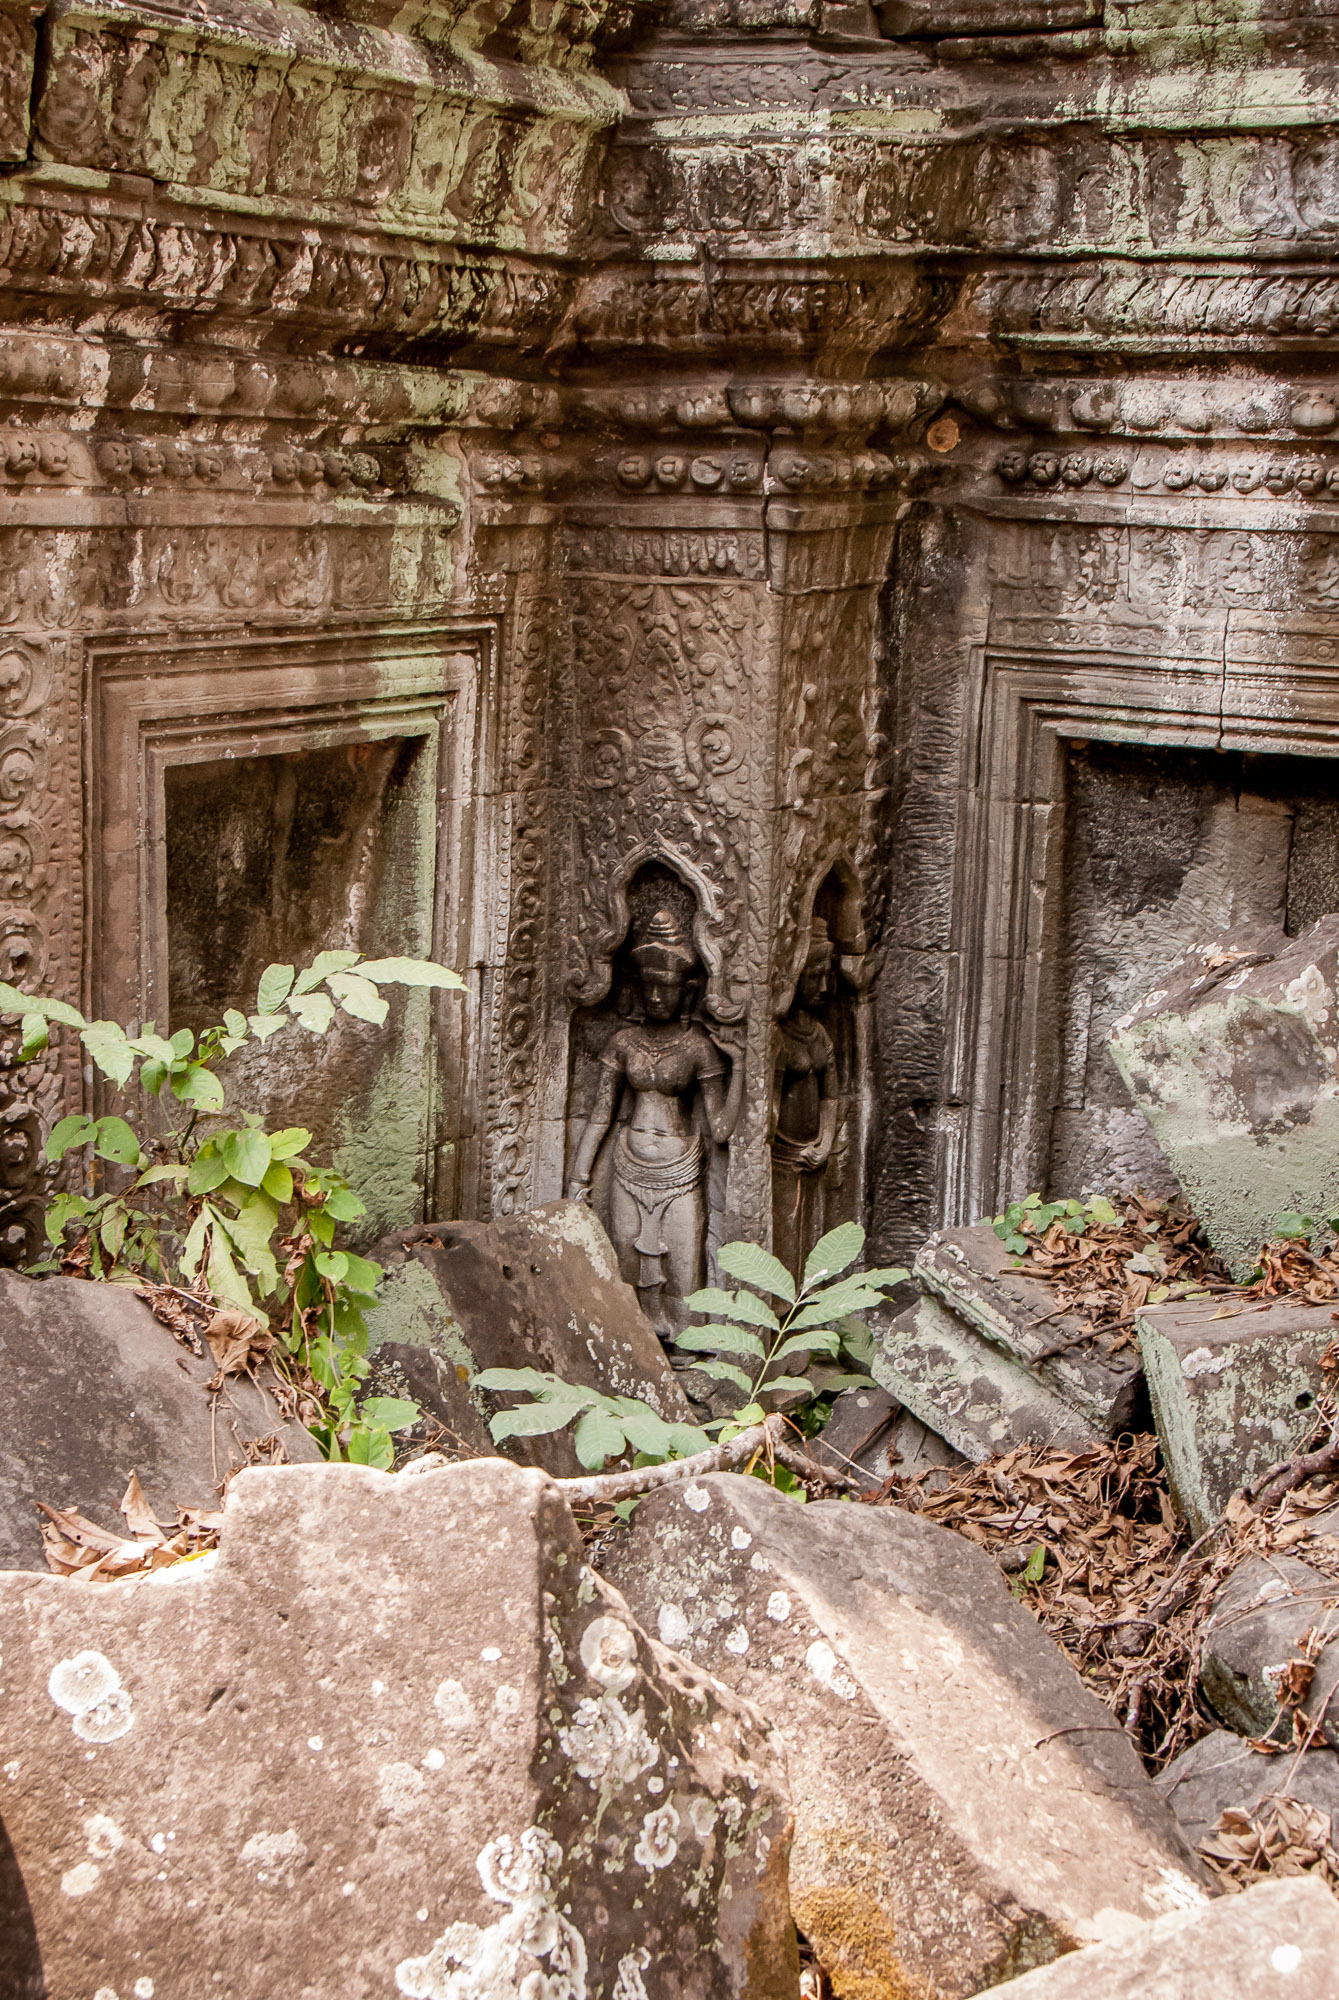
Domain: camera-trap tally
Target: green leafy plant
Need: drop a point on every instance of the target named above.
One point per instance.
(1025, 1222)
(747, 1338)
(242, 1215)
(1295, 1228)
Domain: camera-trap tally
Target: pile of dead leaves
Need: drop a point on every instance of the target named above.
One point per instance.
(1281, 1837)
(76, 1546)
(1106, 1262)
(1092, 1546)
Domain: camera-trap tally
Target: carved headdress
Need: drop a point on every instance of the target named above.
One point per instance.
(663, 949)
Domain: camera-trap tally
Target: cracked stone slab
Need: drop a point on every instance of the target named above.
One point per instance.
(394, 1738)
(535, 1290)
(1222, 1771)
(1233, 1391)
(973, 1274)
(1260, 1618)
(1234, 1061)
(965, 1808)
(1276, 1941)
(977, 1397)
(93, 1388)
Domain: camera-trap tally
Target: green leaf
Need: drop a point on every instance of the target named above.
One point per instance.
(358, 997)
(76, 1130)
(34, 1037)
(226, 1281)
(246, 1155)
(790, 1382)
(332, 1264)
(752, 1413)
(193, 1249)
(719, 1339)
(361, 1274)
(831, 1381)
(408, 972)
(344, 1205)
(322, 1226)
(278, 1181)
(113, 1231)
(276, 982)
(833, 1252)
(757, 1267)
(152, 1076)
(1035, 1567)
(321, 967)
(110, 1050)
(1292, 1225)
(531, 1380)
(733, 1305)
(152, 1176)
(182, 1043)
(199, 1086)
(818, 1340)
(389, 1413)
(14, 1002)
(849, 1296)
(208, 1170)
(884, 1276)
(235, 1023)
(531, 1420)
(251, 1230)
(597, 1437)
(291, 1140)
(313, 1011)
(265, 1025)
(114, 1140)
(1100, 1210)
(725, 1371)
(149, 1044)
(645, 1431)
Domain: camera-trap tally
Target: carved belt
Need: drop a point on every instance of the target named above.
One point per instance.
(657, 1182)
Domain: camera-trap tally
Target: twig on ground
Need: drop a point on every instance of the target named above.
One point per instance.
(1293, 1472)
(769, 1437)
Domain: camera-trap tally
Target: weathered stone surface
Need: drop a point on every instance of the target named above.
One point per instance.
(1221, 1771)
(974, 1394)
(1233, 1061)
(1233, 1391)
(964, 1807)
(538, 1290)
(1260, 1618)
(93, 1388)
(1277, 1941)
(394, 1737)
(974, 1275)
(869, 1436)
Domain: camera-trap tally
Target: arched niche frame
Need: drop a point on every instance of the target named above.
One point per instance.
(723, 997)
(835, 892)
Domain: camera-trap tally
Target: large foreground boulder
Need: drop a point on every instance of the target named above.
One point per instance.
(93, 1388)
(536, 1290)
(965, 1809)
(1278, 1941)
(394, 1738)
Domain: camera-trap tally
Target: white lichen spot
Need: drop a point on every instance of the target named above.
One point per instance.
(491, 1653)
(1309, 994)
(1285, 1958)
(378, 1687)
(80, 1879)
(655, 1786)
(737, 1640)
(609, 1653)
(507, 1700)
(401, 1789)
(778, 1606)
(629, 1984)
(348, 1888)
(143, 1989)
(740, 1538)
(696, 1499)
(434, 1760)
(454, 1706)
(1203, 1361)
(608, 1746)
(656, 1846)
(159, 1843)
(702, 1816)
(273, 1852)
(823, 1664)
(105, 1993)
(103, 1835)
(88, 1687)
(672, 1625)
(533, 1953)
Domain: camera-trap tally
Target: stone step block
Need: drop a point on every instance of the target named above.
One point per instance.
(965, 1808)
(978, 1397)
(1277, 1941)
(1222, 1771)
(1233, 1389)
(393, 1738)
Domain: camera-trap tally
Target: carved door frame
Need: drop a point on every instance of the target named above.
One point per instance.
(1039, 684)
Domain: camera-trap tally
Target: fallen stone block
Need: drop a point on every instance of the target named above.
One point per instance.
(1260, 1620)
(1221, 1772)
(394, 1737)
(93, 1388)
(1277, 1941)
(1233, 1391)
(535, 1290)
(1235, 1064)
(979, 1398)
(964, 1807)
(973, 1274)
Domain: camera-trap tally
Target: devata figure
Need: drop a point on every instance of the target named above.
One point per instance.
(675, 1074)
(806, 1104)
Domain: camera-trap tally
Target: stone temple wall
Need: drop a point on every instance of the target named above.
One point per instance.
(851, 494)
